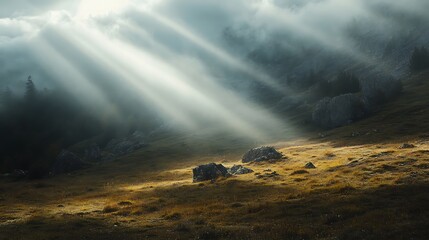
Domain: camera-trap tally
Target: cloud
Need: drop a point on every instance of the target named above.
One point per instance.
(174, 54)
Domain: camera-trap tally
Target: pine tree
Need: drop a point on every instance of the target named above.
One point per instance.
(419, 60)
(30, 92)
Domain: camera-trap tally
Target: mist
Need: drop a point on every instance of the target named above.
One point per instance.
(211, 119)
(204, 66)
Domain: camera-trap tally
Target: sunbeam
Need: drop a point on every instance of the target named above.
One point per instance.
(154, 78)
(215, 51)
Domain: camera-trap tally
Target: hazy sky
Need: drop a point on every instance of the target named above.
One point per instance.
(171, 53)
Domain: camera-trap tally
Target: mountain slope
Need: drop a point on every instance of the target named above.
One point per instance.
(364, 186)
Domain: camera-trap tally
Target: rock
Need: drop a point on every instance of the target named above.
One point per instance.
(261, 154)
(407, 145)
(239, 169)
(126, 145)
(210, 171)
(310, 165)
(67, 162)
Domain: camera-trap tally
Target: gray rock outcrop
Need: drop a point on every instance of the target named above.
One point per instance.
(310, 165)
(261, 154)
(239, 170)
(210, 171)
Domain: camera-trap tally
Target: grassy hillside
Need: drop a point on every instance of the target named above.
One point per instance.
(364, 187)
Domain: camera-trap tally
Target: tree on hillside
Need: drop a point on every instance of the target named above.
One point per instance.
(344, 83)
(30, 91)
(419, 59)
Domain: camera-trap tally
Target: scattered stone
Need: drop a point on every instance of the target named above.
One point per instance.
(268, 170)
(239, 170)
(67, 162)
(407, 145)
(407, 162)
(310, 165)
(209, 171)
(382, 154)
(261, 154)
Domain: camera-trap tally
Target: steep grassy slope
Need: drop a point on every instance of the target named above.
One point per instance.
(364, 187)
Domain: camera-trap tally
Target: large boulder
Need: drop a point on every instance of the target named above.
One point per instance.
(209, 171)
(338, 111)
(126, 145)
(261, 154)
(67, 162)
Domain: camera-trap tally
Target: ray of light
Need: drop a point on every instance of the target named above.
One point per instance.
(151, 75)
(200, 78)
(215, 51)
(64, 71)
